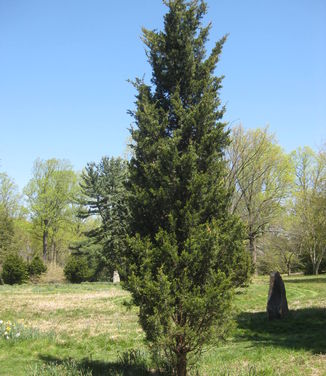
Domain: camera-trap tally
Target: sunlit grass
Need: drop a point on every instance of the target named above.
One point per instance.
(89, 329)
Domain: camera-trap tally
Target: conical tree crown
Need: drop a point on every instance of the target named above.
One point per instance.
(179, 136)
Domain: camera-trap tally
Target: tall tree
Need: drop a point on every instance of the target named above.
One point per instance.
(51, 196)
(103, 187)
(310, 203)
(186, 250)
(261, 175)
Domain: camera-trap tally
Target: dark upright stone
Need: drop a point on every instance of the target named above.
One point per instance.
(277, 305)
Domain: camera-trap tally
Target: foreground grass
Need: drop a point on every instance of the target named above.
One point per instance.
(90, 329)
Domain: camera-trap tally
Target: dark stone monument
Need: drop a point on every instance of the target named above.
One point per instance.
(277, 305)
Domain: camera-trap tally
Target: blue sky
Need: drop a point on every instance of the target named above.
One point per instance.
(64, 67)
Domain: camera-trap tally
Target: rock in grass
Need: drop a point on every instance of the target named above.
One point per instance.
(277, 305)
(116, 277)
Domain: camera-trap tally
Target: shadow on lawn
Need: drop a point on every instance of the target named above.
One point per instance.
(302, 329)
(99, 368)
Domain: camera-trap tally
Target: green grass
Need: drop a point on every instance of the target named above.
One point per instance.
(88, 329)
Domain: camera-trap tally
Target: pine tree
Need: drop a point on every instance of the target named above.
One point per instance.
(186, 251)
(104, 196)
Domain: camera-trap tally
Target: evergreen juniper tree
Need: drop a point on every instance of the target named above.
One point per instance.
(186, 251)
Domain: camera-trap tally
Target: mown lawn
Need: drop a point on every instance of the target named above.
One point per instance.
(90, 329)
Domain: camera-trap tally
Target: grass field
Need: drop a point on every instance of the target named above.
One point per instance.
(90, 329)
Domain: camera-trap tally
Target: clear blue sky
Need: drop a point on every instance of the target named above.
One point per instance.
(64, 66)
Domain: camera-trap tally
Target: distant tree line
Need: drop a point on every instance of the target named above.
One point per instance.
(279, 197)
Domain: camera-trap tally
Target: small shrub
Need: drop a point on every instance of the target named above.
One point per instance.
(14, 270)
(77, 270)
(36, 267)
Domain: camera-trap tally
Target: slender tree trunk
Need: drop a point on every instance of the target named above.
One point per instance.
(314, 260)
(253, 251)
(319, 261)
(182, 364)
(316, 267)
(55, 254)
(288, 264)
(45, 240)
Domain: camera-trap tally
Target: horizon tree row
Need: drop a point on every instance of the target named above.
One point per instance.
(285, 201)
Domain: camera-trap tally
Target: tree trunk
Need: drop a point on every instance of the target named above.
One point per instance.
(53, 253)
(182, 364)
(315, 268)
(45, 240)
(253, 251)
(316, 271)
(314, 260)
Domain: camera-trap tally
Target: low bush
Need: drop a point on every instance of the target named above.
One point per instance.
(76, 269)
(14, 270)
(36, 267)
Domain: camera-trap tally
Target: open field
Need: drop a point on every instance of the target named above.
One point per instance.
(88, 329)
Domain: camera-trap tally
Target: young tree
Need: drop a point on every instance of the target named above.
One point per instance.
(186, 253)
(103, 188)
(261, 174)
(51, 197)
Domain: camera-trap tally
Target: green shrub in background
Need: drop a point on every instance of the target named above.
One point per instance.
(76, 269)
(14, 270)
(36, 267)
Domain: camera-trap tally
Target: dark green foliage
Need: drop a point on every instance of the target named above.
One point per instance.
(76, 269)
(186, 252)
(14, 270)
(91, 250)
(36, 267)
(104, 196)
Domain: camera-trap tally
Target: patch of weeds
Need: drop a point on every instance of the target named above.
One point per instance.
(128, 304)
(248, 371)
(12, 332)
(135, 358)
(65, 368)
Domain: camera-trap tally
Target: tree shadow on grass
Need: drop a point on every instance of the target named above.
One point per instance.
(100, 368)
(301, 329)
